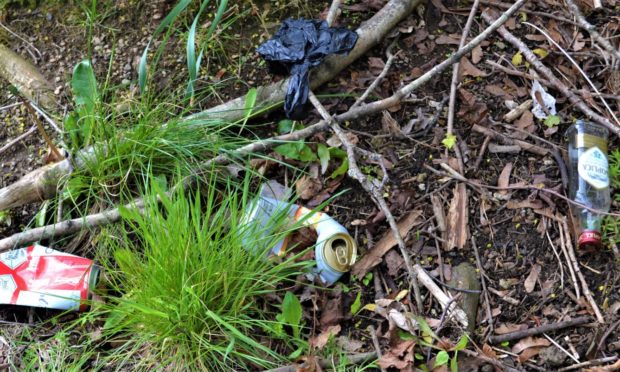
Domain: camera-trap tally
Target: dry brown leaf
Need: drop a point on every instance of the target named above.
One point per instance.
(394, 262)
(321, 340)
(373, 257)
(505, 328)
(476, 55)
(525, 120)
(488, 351)
(307, 187)
(458, 216)
(332, 312)
(399, 356)
(532, 278)
(497, 91)
(527, 203)
(308, 363)
(504, 178)
(529, 342)
(468, 69)
(447, 40)
(527, 354)
(390, 125)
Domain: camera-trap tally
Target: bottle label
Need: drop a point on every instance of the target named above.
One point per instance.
(593, 168)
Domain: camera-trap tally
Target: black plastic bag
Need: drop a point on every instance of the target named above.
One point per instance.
(299, 45)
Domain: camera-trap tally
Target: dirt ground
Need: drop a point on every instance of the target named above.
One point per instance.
(528, 282)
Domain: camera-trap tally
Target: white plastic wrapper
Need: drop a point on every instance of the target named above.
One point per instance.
(548, 101)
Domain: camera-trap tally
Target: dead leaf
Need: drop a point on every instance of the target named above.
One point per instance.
(445, 39)
(488, 351)
(498, 91)
(321, 340)
(529, 342)
(504, 178)
(348, 344)
(530, 281)
(332, 312)
(527, 203)
(468, 69)
(399, 356)
(390, 125)
(527, 354)
(373, 257)
(505, 328)
(476, 55)
(394, 262)
(307, 187)
(458, 216)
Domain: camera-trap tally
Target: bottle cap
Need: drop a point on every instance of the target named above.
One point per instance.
(589, 237)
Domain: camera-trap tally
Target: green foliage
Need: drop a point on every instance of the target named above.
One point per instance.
(57, 353)
(552, 121)
(357, 304)
(191, 296)
(291, 313)
(449, 141)
(441, 358)
(80, 124)
(611, 224)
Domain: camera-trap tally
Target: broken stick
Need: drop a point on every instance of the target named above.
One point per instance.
(517, 335)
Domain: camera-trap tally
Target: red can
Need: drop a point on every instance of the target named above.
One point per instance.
(44, 277)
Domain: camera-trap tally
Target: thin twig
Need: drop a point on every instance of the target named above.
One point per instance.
(455, 69)
(589, 363)
(379, 78)
(571, 268)
(582, 279)
(561, 348)
(25, 41)
(484, 283)
(42, 131)
(557, 255)
(375, 342)
(19, 138)
(517, 335)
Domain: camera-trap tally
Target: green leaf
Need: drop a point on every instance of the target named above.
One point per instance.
(552, 120)
(454, 363)
(357, 304)
(296, 354)
(425, 328)
(84, 86)
(287, 126)
(324, 157)
(5, 218)
(296, 151)
(342, 169)
(174, 13)
(517, 59)
(193, 63)
(405, 336)
(291, 309)
(248, 106)
(367, 279)
(441, 358)
(449, 141)
(542, 53)
(462, 344)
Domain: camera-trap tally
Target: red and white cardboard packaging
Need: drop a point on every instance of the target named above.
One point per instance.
(44, 277)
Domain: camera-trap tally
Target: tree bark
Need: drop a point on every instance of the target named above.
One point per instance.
(26, 78)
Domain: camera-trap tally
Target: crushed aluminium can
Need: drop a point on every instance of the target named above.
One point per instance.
(43, 277)
(335, 249)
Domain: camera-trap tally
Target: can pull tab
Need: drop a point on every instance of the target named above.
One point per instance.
(341, 255)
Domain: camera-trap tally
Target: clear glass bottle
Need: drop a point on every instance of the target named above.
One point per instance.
(589, 178)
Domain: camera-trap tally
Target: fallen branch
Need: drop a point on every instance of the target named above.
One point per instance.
(455, 69)
(510, 141)
(42, 183)
(271, 96)
(548, 74)
(26, 78)
(517, 335)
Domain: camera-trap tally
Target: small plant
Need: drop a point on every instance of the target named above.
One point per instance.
(190, 298)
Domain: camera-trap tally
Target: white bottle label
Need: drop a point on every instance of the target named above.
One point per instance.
(593, 168)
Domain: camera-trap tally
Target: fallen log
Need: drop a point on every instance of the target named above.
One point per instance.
(271, 96)
(43, 183)
(265, 144)
(26, 78)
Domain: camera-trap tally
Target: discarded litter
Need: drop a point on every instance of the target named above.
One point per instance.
(335, 250)
(589, 178)
(538, 95)
(297, 46)
(43, 277)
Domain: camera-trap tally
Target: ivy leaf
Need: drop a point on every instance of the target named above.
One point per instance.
(517, 59)
(552, 120)
(449, 141)
(441, 358)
